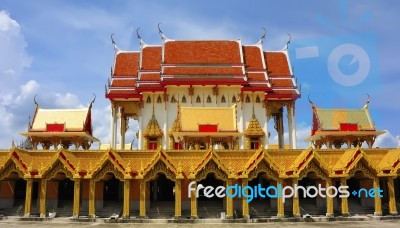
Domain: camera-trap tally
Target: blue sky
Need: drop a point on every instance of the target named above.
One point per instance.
(61, 50)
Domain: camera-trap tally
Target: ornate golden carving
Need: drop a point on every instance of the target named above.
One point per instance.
(153, 129)
(58, 168)
(211, 167)
(254, 129)
(10, 168)
(361, 167)
(312, 167)
(109, 168)
(159, 167)
(262, 167)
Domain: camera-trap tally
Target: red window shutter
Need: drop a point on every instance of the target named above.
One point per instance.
(152, 145)
(178, 146)
(208, 128)
(256, 145)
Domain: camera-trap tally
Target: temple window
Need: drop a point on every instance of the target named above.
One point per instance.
(223, 99)
(198, 100)
(148, 100)
(234, 99)
(159, 99)
(183, 99)
(208, 99)
(152, 144)
(254, 143)
(173, 99)
(247, 99)
(258, 99)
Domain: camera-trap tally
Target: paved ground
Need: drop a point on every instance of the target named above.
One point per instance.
(65, 224)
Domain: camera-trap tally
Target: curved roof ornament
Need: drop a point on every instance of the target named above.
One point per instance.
(139, 37)
(368, 100)
(161, 33)
(94, 99)
(261, 41)
(288, 42)
(35, 101)
(312, 103)
(113, 43)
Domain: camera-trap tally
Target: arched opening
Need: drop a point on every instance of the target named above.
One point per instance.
(65, 196)
(213, 206)
(396, 183)
(18, 197)
(360, 203)
(311, 205)
(162, 197)
(262, 207)
(112, 196)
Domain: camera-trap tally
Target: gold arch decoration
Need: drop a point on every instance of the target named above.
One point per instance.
(211, 167)
(152, 128)
(58, 168)
(363, 168)
(159, 167)
(108, 168)
(10, 169)
(254, 129)
(262, 167)
(313, 167)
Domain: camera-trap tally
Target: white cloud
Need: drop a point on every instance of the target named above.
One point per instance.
(387, 140)
(13, 56)
(303, 131)
(67, 100)
(28, 90)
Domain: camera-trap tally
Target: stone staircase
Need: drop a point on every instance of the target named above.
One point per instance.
(209, 209)
(110, 208)
(161, 210)
(355, 207)
(261, 209)
(308, 206)
(65, 208)
(17, 210)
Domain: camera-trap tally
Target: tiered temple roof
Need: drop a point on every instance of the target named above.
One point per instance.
(201, 62)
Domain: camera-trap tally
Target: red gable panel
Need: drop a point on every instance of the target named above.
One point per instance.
(208, 128)
(55, 127)
(202, 52)
(348, 127)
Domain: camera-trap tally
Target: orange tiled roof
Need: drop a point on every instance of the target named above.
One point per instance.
(252, 58)
(277, 64)
(203, 70)
(202, 52)
(150, 77)
(123, 83)
(126, 64)
(151, 58)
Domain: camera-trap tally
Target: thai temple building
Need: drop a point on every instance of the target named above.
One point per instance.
(203, 109)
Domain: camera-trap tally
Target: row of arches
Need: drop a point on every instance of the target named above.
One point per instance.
(161, 194)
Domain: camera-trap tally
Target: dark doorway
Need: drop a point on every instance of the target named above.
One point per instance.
(65, 192)
(19, 192)
(162, 189)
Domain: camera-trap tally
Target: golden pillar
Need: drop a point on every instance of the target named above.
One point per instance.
(281, 206)
(329, 200)
(42, 198)
(92, 188)
(28, 197)
(127, 186)
(345, 204)
(77, 194)
(378, 201)
(296, 206)
(392, 197)
(178, 196)
(247, 142)
(142, 206)
(193, 203)
(245, 204)
(145, 143)
(229, 201)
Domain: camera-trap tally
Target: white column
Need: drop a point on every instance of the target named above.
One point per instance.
(292, 126)
(123, 128)
(165, 136)
(115, 123)
(240, 124)
(265, 128)
(140, 139)
(113, 127)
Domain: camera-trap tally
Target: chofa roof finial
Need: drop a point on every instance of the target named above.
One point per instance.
(368, 100)
(263, 36)
(139, 37)
(113, 43)
(35, 101)
(161, 32)
(94, 99)
(312, 103)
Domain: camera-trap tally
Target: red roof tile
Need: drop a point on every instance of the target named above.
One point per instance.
(252, 58)
(202, 52)
(123, 83)
(150, 77)
(277, 64)
(203, 70)
(256, 76)
(126, 64)
(151, 58)
(281, 83)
